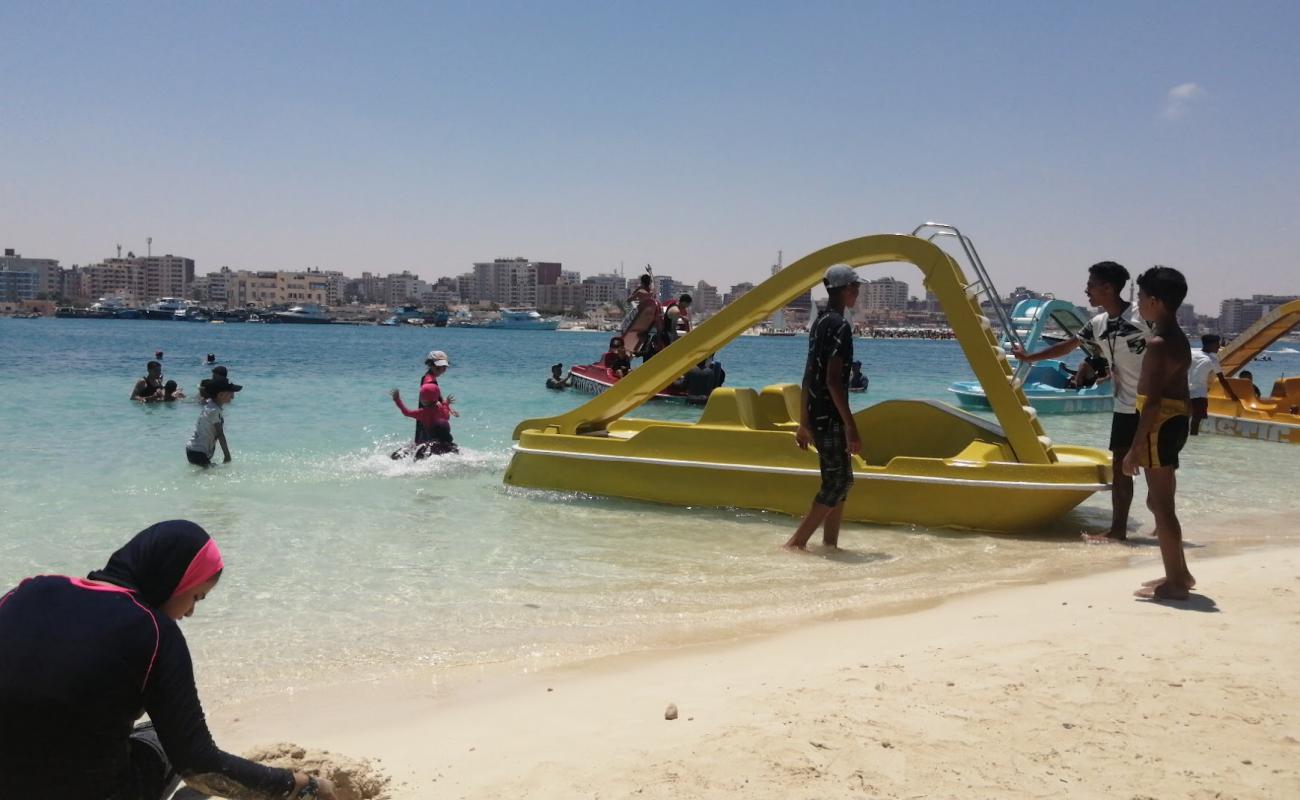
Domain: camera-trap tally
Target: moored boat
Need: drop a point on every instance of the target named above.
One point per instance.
(522, 319)
(922, 463)
(164, 308)
(308, 313)
(1234, 408)
(1040, 323)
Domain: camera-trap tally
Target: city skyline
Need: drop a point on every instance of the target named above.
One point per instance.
(700, 141)
(903, 273)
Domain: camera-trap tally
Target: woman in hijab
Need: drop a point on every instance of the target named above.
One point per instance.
(82, 659)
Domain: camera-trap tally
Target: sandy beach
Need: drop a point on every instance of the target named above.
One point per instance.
(1069, 688)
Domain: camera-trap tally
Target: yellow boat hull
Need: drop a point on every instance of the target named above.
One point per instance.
(1272, 418)
(923, 463)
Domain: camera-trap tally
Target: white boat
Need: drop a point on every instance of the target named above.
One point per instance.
(523, 319)
(190, 312)
(308, 313)
(164, 308)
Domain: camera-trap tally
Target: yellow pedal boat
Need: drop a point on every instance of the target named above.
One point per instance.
(923, 463)
(1273, 418)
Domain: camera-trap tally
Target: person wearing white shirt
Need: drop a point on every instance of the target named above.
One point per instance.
(1205, 366)
(1115, 341)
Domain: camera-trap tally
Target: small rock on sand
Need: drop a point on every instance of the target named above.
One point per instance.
(671, 711)
(353, 778)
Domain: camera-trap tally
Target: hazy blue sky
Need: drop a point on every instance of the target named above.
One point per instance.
(698, 137)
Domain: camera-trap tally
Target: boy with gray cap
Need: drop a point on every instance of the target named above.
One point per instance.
(824, 417)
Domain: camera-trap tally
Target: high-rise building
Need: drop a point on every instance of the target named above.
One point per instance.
(1236, 314)
(510, 282)
(402, 287)
(604, 289)
(663, 288)
(548, 272)
(557, 298)
(736, 292)
(883, 294)
(156, 276)
(26, 278)
(705, 300)
(467, 287)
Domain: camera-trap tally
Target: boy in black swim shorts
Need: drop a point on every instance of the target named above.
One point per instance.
(824, 418)
(1163, 416)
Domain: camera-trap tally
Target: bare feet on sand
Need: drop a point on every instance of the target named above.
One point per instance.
(1190, 583)
(1163, 591)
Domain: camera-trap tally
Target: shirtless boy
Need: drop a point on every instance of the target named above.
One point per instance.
(1163, 411)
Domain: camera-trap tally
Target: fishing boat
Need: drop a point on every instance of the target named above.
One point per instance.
(190, 312)
(923, 462)
(1234, 409)
(114, 307)
(1038, 323)
(308, 313)
(522, 319)
(164, 308)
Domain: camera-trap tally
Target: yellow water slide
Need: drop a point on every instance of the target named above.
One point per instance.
(1259, 336)
(958, 296)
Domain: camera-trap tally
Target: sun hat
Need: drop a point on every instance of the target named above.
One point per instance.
(438, 358)
(839, 276)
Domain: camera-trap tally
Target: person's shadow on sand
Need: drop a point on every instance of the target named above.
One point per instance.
(1194, 602)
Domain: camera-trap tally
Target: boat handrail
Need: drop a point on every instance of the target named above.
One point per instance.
(983, 287)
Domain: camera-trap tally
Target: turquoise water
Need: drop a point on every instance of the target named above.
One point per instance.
(343, 564)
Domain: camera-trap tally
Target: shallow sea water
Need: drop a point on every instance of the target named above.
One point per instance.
(345, 565)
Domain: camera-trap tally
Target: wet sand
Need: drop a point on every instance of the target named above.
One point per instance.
(1068, 688)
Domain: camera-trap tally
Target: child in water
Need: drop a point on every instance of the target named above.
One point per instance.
(432, 424)
(172, 392)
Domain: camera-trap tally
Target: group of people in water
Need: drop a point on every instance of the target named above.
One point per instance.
(651, 327)
(213, 393)
(432, 415)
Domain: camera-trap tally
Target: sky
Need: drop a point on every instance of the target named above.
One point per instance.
(701, 138)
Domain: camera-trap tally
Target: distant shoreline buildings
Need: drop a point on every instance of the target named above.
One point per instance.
(501, 283)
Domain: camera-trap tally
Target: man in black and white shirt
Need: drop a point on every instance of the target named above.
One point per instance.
(825, 420)
(1115, 341)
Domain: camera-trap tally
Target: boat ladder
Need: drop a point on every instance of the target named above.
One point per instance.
(982, 292)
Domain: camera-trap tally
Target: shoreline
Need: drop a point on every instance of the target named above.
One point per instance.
(721, 632)
(1058, 674)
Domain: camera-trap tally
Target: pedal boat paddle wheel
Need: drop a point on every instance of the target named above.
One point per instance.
(922, 462)
(1273, 418)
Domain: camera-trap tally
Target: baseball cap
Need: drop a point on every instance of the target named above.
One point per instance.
(218, 385)
(839, 276)
(438, 358)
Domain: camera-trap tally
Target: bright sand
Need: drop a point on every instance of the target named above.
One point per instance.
(1069, 688)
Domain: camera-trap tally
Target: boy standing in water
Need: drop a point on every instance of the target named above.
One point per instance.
(824, 417)
(210, 430)
(1162, 404)
(1115, 341)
